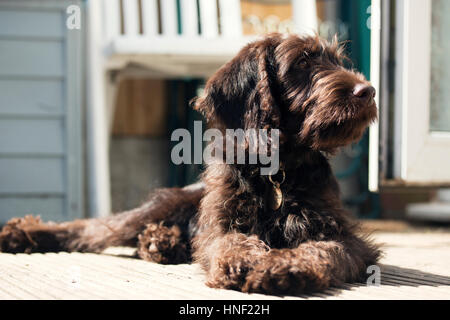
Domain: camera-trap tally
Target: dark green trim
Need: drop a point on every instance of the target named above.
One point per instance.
(179, 18)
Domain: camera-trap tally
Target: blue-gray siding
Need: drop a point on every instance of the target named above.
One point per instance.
(40, 113)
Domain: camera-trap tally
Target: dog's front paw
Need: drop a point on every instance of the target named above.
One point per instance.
(233, 260)
(16, 236)
(161, 244)
(229, 272)
(282, 273)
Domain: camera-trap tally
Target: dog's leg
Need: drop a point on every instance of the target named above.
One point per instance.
(29, 234)
(312, 266)
(229, 258)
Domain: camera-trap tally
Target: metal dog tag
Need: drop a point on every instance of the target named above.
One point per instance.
(276, 195)
(276, 198)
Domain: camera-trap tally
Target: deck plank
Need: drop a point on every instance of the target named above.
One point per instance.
(414, 266)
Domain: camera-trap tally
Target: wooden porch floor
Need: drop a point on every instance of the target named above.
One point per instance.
(415, 266)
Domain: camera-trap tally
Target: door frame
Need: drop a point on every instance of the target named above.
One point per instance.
(419, 153)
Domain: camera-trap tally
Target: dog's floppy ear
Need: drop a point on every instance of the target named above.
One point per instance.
(240, 94)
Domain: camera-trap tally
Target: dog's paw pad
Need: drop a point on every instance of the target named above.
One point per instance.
(162, 244)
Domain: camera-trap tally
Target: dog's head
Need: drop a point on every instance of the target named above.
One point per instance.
(296, 84)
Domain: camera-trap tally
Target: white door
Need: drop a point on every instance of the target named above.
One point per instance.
(421, 121)
(423, 102)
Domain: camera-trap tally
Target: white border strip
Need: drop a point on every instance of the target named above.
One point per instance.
(375, 56)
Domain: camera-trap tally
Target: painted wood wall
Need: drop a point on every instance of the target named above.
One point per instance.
(40, 111)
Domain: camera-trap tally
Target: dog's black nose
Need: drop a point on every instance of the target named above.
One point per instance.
(364, 91)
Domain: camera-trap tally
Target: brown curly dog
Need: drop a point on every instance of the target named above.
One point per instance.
(231, 223)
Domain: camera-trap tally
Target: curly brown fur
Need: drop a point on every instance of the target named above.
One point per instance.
(161, 244)
(299, 86)
(174, 206)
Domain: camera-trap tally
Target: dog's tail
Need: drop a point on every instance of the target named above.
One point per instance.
(172, 205)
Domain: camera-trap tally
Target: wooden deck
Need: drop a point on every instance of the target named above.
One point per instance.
(415, 266)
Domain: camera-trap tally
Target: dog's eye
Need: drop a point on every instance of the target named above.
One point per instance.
(303, 63)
